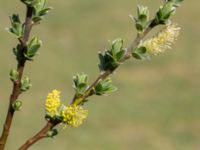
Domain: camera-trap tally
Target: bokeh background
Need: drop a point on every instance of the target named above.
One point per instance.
(157, 104)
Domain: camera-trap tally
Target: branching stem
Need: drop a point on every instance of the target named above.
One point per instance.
(104, 75)
(16, 91)
(40, 135)
(77, 100)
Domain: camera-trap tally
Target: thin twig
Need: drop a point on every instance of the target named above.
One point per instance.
(16, 85)
(40, 135)
(133, 45)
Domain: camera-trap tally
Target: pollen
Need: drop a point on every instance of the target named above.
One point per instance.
(52, 103)
(74, 115)
(163, 40)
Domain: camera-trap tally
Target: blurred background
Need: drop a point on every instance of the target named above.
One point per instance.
(157, 104)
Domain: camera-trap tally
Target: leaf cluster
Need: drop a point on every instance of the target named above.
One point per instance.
(16, 28)
(111, 58)
(166, 11)
(104, 87)
(80, 84)
(142, 19)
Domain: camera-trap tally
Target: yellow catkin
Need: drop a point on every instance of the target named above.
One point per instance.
(74, 115)
(162, 40)
(52, 103)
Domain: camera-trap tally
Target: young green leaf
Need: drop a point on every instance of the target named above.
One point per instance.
(14, 75)
(142, 19)
(17, 105)
(140, 53)
(111, 58)
(25, 84)
(80, 83)
(40, 11)
(104, 87)
(16, 27)
(166, 11)
(32, 48)
(52, 133)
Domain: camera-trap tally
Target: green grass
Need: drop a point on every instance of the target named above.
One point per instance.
(157, 104)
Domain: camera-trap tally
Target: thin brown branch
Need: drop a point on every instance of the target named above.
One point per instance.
(40, 135)
(133, 45)
(88, 92)
(138, 38)
(43, 132)
(16, 85)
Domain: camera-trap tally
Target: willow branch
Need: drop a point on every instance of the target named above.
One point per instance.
(43, 132)
(40, 135)
(17, 84)
(104, 75)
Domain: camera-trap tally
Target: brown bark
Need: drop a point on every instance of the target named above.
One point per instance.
(41, 134)
(16, 91)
